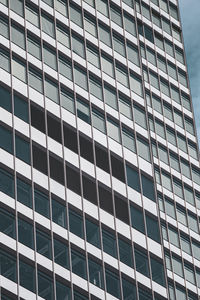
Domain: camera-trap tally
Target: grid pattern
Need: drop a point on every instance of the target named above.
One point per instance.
(99, 163)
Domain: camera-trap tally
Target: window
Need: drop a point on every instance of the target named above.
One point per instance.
(78, 264)
(24, 193)
(157, 272)
(61, 7)
(6, 183)
(192, 221)
(4, 29)
(32, 15)
(62, 291)
(48, 26)
(107, 65)
(62, 35)
(166, 181)
(34, 47)
(113, 130)
(136, 84)
(112, 284)
(78, 46)
(92, 233)
(170, 209)
(163, 155)
(76, 223)
(125, 107)
(143, 149)
(148, 187)
(83, 111)
(98, 120)
(133, 178)
(45, 286)
(160, 129)
(75, 15)
(96, 87)
(141, 261)
(133, 54)
(177, 266)
(50, 57)
(105, 36)
(61, 253)
(35, 80)
(128, 139)
(109, 243)
(137, 219)
(122, 75)
(5, 97)
(140, 117)
(8, 266)
(129, 24)
(116, 15)
(18, 7)
(22, 148)
(5, 60)
(110, 96)
(65, 67)
(59, 213)
(25, 233)
(19, 69)
(6, 139)
(125, 252)
(152, 228)
(7, 223)
(80, 77)
(51, 90)
(129, 290)
(173, 237)
(41, 203)
(102, 6)
(27, 276)
(119, 45)
(90, 25)
(67, 100)
(93, 56)
(95, 273)
(43, 242)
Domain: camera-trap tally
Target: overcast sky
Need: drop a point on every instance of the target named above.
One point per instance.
(190, 17)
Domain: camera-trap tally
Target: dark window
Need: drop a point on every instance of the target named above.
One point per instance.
(141, 261)
(148, 33)
(105, 199)
(148, 188)
(78, 264)
(8, 266)
(86, 149)
(152, 229)
(25, 233)
(117, 168)
(73, 180)
(24, 193)
(58, 213)
(76, 223)
(70, 139)
(157, 271)
(102, 158)
(61, 254)
(92, 233)
(62, 291)
(38, 118)
(43, 242)
(5, 99)
(112, 284)
(40, 159)
(6, 183)
(27, 276)
(21, 108)
(89, 190)
(143, 295)
(7, 223)
(121, 209)
(125, 252)
(6, 139)
(54, 128)
(96, 273)
(22, 149)
(109, 243)
(137, 219)
(45, 286)
(56, 169)
(41, 203)
(133, 178)
(129, 290)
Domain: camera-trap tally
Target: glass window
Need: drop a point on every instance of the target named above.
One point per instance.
(192, 150)
(163, 155)
(95, 273)
(19, 69)
(122, 75)
(133, 55)
(6, 183)
(24, 193)
(35, 80)
(67, 100)
(166, 181)
(160, 129)
(92, 233)
(156, 19)
(78, 46)
(25, 233)
(169, 208)
(171, 136)
(62, 35)
(51, 90)
(50, 57)
(110, 96)
(22, 148)
(93, 56)
(195, 250)
(125, 252)
(18, 7)
(7, 223)
(62, 291)
(182, 143)
(45, 286)
(80, 77)
(61, 7)
(166, 26)
(192, 221)
(112, 284)
(128, 139)
(49, 2)
(76, 223)
(181, 216)
(129, 24)
(169, 48)
(21, 108)
(6, 139)
(152, 228)
(151, 56)
(143, 149)
(119, 45)
(177, 267)
(105, 35)
(102, 6)
(8, 266)
(140, 117)
(189, 125)
(173, 237)
(65, 67)
(172, 71)
(43, 242)
(83, 111)
(175, 94)
(157, 272)
(32, 15)
(176, 33)
(48, 26)
(125, 107)
(141, 261)
(96, 88)
(162, 63)
(78, 264)
(58, 213)
(98, 120)
(159, 41)
(129, 290)
(109, 243)
(61, 253)
(4, 29)
(113, 130)
(179, 55)
(136, 84)
(185, 244)
(137, 219)
(5, 97)
(5, 60)
(133, 178)
(107, 66)
(116, 15)
(41, 203)
(27, 276)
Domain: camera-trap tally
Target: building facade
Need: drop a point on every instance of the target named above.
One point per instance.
(99, 163)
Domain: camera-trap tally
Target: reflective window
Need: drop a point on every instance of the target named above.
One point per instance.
(4, 29)
(67, 100)
(21, 108)
(8, 266)
(35, 80)
(83, 111)
(22, 149)
(109, 243)
(62, 291)
(62, 35)
(92, 233)
(113, 130)
(24, 193)
(80, 77)
(110, 96)
(90, 25)
(48, 26)
(78, 46)
(141, 261)
(6, 139)
(5, 60)
(177, 266)
(133, 178)
(51, 90)
(129, 290)
(140, 117)
(129, 24)
(96, 88)
(27, 276)
(58, 213)
(41, 203)
(32, 15)
(19, 69)
(125, 252)
(157, 272)
(78, 264)
(6, 183)
(61, 7)
(136, 84)
(128, 140)
(143, 149)
(137, 219)
(102, 6)
(93, 56)
(50, 57)
(43, 242)
(61, 253)
(119, 45)
(7, 223)
(18, 7)
(112, 284)
(107, 65)
(65, 67)
(76, 223)
(25, 233)
(5, 97)
(95, 273)
(34, 47)
(116, 15)
(45, 286)
(98, 120)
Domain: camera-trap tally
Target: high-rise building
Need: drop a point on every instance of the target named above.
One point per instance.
(99, 165)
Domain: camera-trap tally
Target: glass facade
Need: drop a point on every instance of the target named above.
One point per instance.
(99, 163)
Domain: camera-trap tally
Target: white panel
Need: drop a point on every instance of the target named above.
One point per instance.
(71, 157)
(26, 251)
(26, 294)
(84, 127)
(80, 282)
(159, 289)
(87, 166)
(93, 250)
(145, 166)
(33, 60)
(53, 107)
(96, 291)
(55, 147)
(127, 270)
(36, 97)
(76, 240)
(150, 205)
(8, 284)
(44, 261)
(74, 199)
(21, 126)
(68, 117)
(7, 158)
(59, 230)
(110, 260)
(103, 177)
(18, 85)
(57, 188)
(123, 228)
(38, 137)
(23, 168)
(48, 70)
(40, 179)
(139, 237)
(134, 196)
(143, 279)
(99, 137)
(42, 220)
(119, 186)
(90, 209)
(106, 218)
(48, 39)
(8, 241)
(23, 209)
(154, 247)
(115, 147)
(7, 200)
(62, 271)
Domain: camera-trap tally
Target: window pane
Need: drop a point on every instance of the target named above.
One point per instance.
(41, 203)
(109, 243)
(6, 139)
(21, 108)
(19, 69)
(8, 266)
(24, 193)
(5, 97)
(25, 233)
(35, 80)
(61, 254)
(92, 233)
(125, 253)
(62, 291)
(32, 15)
(114, 131)
(18, 7)
(128, 140)
(83, 111)
(157, 272)
(78, 46)
(78, 264)
(107, 66)
(58, 213)
(67, 100)
(137, 219)
(80, 78)
(48, 26)
(76, 223)
(96, 273)
(96, 88)
(45, 286)
(112, 284)
(98, 120)
(43, 242)
(141, 260)
(143, 149)
(75, 15)
(51, 90)
(63, 36)
(27, 276)
(65, 67)
(4, 29)
(22, 149)
(136, 85)
(6, 183)
(133, 178)
(110, 96)
(129, 290)
(7, 223)
(49, 57)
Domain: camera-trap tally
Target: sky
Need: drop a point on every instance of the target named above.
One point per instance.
(190, 18)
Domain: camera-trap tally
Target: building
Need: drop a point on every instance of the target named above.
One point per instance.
(99, 168)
